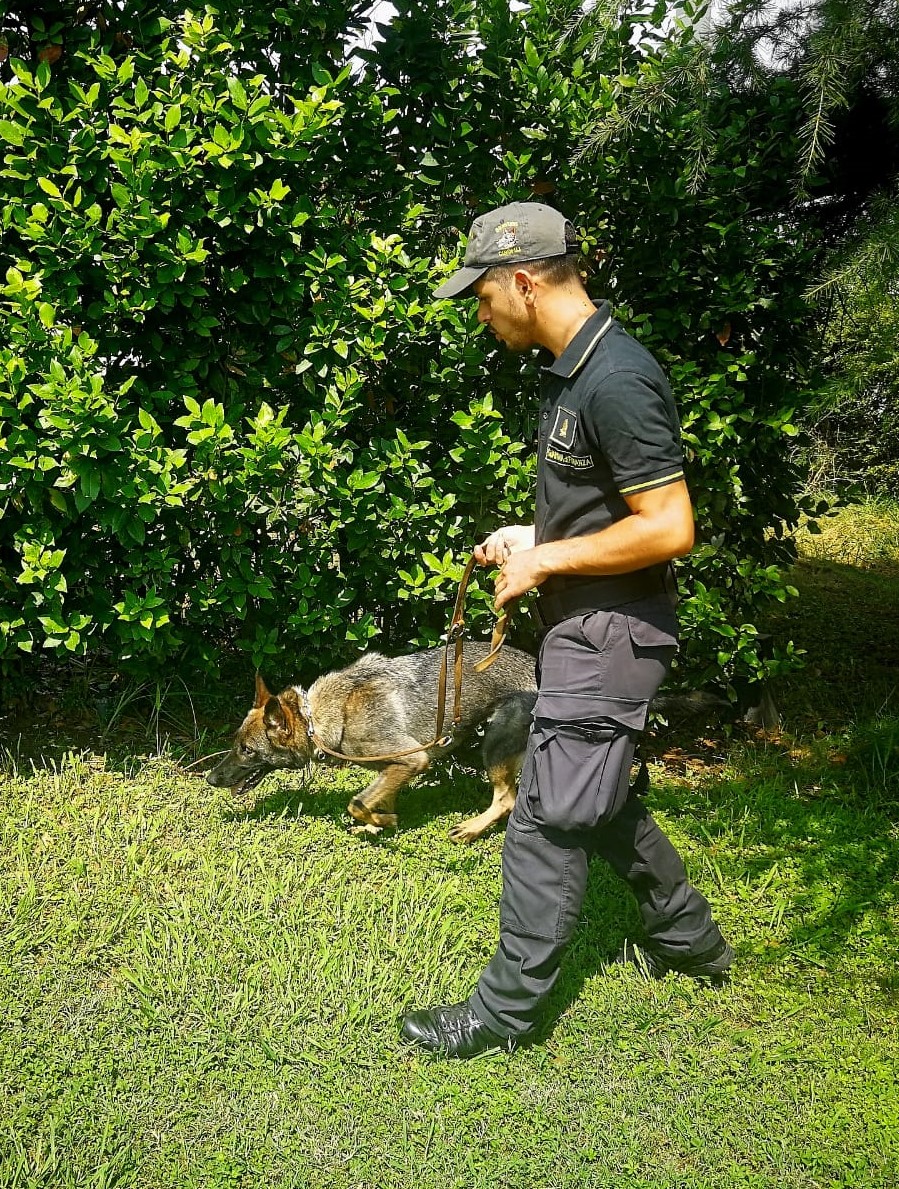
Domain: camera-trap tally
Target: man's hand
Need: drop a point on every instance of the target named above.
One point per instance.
(659, 528)
(519, 573)
(503, 543)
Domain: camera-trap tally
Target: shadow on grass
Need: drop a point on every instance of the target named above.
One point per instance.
(800, 856)
(304, 800)
(810, 842)
(845, 624)
(453, 785)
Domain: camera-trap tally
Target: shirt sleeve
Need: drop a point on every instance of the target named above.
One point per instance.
(633, 422)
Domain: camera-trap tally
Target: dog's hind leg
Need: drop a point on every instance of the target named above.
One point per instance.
(504, 786)
(505, 740)
(375, 808)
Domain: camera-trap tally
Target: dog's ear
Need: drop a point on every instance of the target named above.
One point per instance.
(276, 717)
(262, 694)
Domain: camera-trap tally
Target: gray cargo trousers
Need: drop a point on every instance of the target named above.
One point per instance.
(596, 675)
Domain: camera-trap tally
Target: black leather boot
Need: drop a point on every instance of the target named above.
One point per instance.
(713, 966)
(452, 1031)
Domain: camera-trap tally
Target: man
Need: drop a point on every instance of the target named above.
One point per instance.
(612, 511)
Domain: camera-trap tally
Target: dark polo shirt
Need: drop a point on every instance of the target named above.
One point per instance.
(608, 428)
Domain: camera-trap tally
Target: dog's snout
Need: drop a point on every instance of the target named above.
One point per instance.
(220, 777)
(214, 777)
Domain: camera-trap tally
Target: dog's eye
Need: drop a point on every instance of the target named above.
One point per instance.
(245, 750)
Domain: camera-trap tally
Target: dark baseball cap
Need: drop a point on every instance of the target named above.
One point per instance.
(510, 234)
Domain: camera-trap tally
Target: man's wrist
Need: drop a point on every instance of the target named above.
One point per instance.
(545, 560)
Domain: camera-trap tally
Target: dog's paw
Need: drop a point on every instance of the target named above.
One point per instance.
(467, 832)
(370, 817)
(367, 829)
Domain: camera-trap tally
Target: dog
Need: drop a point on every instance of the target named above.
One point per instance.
(379, 706)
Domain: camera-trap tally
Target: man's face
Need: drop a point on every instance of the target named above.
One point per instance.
(506, 313)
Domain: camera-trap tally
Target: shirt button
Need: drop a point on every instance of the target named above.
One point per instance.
(545, 416)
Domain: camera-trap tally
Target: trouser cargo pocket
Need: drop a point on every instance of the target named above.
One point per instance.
(576, 774)
(605, 667)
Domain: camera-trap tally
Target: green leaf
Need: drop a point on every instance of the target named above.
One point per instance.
(363, 481)
(237, 93)
(173, 117)
(11, 133)
(53, 627)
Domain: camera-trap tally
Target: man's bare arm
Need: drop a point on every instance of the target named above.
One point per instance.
(661, 528)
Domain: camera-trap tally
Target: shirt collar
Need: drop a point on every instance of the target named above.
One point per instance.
(583, 344)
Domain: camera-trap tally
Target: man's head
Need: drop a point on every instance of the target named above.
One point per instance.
(522, 232)
(523, 265)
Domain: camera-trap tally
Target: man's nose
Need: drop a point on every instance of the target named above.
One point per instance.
(483, 315)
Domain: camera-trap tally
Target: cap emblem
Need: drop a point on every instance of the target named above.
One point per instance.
(507, 239)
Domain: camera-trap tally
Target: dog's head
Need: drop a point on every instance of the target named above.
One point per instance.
(273, 735)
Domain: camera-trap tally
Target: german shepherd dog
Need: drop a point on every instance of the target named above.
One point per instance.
(379, 706)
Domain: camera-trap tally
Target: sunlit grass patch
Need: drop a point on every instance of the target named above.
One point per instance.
(202, 993)
(861, 534)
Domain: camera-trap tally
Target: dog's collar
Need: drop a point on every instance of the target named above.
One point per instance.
(322, 754)
(305, 710)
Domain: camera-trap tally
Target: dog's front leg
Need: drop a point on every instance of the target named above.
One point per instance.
(375, 808)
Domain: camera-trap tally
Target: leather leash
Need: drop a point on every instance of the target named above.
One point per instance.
(454, 637)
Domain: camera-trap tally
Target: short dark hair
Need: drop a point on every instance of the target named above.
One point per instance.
(557, 270)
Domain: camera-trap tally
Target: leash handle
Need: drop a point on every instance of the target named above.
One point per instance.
(456, 631)
(496, 643)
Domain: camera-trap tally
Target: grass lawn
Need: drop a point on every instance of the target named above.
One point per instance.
(195, 993)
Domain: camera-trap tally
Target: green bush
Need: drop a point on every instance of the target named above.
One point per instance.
(229, 412)
(854, 423)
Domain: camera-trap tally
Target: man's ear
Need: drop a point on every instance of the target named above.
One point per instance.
(525, 284)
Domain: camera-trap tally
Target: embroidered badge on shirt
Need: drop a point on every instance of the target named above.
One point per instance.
(562, 458)
(565, 429)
